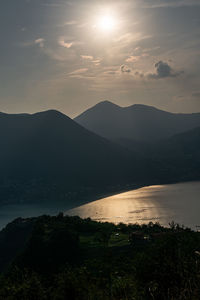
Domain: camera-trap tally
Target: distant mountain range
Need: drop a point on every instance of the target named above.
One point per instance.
(47, 155)
(137, 122)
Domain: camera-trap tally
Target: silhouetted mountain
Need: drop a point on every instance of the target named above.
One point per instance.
(182, 152)
(138, 122)
(181, 146)
(48, 156)
(51, 147)
(178, 155)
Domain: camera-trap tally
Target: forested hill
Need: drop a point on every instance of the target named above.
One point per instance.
(70, 258)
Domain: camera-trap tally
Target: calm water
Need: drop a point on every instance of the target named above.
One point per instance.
(161, 203)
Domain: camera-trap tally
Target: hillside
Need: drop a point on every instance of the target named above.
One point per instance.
(50, 148)
(138, 122)
(179, 155)
(71, 258)
(49, 157)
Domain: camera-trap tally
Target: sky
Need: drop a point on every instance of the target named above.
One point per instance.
(70, 55)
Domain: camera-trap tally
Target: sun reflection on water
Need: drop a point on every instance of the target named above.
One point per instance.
(160, 203)
(136, 206)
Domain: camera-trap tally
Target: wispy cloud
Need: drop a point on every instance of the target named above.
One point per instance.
(132, 59)
(65, 44)
(87, 57)
(40, 42)
(166, 3)
(78, 71)
(68, 44)
(70, 23)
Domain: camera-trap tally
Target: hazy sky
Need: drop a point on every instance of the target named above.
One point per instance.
(60, 54)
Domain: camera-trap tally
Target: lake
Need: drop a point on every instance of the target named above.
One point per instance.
(161, 203)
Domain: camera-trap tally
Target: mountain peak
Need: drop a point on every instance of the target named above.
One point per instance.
(101, 107)
(107, 103)
(139, 107)
(143, 107)
(50, 112)
(137, 122)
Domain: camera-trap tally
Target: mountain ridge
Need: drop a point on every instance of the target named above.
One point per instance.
(138, 121)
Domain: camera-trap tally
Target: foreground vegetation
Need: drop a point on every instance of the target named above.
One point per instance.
(58, 258)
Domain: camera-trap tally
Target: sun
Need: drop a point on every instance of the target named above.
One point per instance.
(106, 23)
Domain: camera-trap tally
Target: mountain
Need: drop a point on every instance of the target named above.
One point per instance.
(138, 122)
(186, 144)
(50, 148)
(178, 155)
(181, 147)
(182, 153)
(49, 157)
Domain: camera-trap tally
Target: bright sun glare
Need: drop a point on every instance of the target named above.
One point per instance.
(106, 23)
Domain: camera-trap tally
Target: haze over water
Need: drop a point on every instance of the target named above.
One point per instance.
(161, 203)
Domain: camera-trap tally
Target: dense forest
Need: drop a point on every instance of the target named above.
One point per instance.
(65, 257)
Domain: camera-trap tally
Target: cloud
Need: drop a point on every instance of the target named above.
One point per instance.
(64, 44)
(167, 3)
(125, 69)
(163, 70)
(79, 71)
(130, 37)
(70, 23)
(87, 57)
(111, 72)
(132, 58)
(139, 74)
(97, 62)
(40, 42)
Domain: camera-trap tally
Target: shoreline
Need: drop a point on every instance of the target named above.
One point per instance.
(10, 212)
(133, 187)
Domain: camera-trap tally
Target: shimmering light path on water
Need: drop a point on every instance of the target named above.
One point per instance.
(161, 203)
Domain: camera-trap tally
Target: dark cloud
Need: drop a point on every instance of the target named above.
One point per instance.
(163, 70)
(125, 69)
(139, 74)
